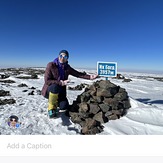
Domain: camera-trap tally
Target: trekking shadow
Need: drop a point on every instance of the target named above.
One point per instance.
(147, 101)
(74, 129)
(157, 102)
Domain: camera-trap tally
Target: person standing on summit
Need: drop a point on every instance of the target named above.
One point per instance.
(56, 79)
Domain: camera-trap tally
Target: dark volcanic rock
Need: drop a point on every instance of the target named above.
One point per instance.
(7, 101)
(4, 76)
(7, 81)
(126, 80)
(99, 103)
(4, 93)
(78, 87)
(22, 85)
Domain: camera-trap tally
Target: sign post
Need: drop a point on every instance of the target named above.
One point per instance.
(107, 69)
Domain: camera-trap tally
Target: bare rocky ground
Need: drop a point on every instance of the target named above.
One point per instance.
(16, 72)
(20, 73)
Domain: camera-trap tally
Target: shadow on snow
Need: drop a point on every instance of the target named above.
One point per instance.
(66, 122)
(148, 101)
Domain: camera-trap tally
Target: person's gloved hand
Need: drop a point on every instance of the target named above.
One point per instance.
(93, 76)
(64, 82)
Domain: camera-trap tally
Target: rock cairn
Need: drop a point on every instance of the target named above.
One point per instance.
(100, 102)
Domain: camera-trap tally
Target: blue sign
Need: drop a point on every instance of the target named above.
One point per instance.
(107, 69)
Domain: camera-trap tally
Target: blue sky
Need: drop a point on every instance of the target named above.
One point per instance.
(129, 32)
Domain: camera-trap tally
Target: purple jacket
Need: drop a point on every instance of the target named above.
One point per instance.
(52, 75)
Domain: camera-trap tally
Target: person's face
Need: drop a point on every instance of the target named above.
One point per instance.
(62, 58)
(13, 122)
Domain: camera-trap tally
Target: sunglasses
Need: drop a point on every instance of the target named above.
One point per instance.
(63, 56)
(13, 120)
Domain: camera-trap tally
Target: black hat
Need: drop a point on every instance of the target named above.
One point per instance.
(13, 117)
(64, 51)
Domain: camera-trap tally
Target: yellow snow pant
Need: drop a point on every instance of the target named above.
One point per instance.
(52, 101)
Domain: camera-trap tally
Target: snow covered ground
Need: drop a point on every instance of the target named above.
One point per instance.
(145, 117)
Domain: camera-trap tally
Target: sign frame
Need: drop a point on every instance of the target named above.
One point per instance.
(107, 70)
